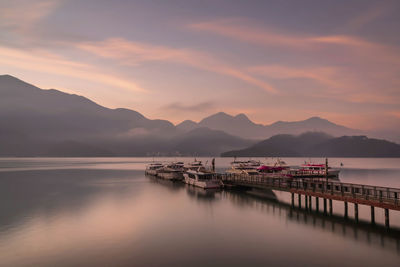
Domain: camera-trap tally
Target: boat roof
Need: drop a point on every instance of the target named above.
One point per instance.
(313, 165)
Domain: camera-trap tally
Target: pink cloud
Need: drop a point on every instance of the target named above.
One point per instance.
(45, 62)
(134, 53)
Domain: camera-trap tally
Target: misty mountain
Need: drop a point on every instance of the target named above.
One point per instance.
(51, 114)
(37, 122)
(204, 142)
(187, 126)
(316, 144)
(241, 125)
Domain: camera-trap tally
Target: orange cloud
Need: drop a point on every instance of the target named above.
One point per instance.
(134, 53)
(347, 67)
(22, 15)
(52, 64)
(251, 34)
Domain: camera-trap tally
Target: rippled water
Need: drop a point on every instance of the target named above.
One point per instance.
(105, 212)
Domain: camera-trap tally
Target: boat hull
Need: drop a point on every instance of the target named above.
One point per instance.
(315, 174)
(151, 172)
(170, 175)
(210, 184)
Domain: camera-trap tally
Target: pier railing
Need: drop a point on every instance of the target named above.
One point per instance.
(378, 196)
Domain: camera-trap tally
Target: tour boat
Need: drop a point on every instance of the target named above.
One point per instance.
(278, 167)
(193, 165)
(171, 171)
(152, 168)
(248, 167)
(316, 170)
(202, 178)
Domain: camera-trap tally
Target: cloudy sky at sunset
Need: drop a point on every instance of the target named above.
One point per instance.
(176, 60)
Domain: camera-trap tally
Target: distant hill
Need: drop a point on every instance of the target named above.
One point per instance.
(37, 122)
(315, 144)
(240, 125)
(205, 142)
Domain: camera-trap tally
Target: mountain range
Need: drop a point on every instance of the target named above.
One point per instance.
(38, 122)
(315, 144)
(241, 125)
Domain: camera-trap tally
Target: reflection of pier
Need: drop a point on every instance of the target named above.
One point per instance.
(374, 196)
(361, 231)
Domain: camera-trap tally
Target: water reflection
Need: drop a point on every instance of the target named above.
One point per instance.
(361, 231)
(114, 217)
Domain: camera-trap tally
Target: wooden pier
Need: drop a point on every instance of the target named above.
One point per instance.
(373, 196)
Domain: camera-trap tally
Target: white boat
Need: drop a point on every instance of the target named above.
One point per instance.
(315, 170)
(248, 167)
(195, 165)
(202, 178)
(171, 171)
(152, 168)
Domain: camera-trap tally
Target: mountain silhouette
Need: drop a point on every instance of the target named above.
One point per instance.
(37, 122)
(317, 144)
(240, 125)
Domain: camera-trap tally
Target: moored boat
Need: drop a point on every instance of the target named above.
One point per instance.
(194, 165)
(244, 167)
(171, 171)
(278, 167)
(202, 178)
(312, 170)
(152, 168)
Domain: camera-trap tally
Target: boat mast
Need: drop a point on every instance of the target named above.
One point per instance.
(326, 168)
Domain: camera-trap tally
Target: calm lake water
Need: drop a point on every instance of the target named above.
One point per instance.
(105, 212)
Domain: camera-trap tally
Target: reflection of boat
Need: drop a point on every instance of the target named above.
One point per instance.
(152, 168)
(315, 170)
(172, 171)
(248, 167)
(202, 178)
(278, 166)
(201, 194)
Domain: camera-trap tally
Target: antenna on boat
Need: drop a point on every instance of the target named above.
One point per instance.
(326, 168)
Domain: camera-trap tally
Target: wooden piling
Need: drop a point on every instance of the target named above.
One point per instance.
(292, 199)
(372, 214)
(387, 218)
(330, 207)
(317, 204)
(346, 209)
(356, 212)
(306, 201)
(299, 201)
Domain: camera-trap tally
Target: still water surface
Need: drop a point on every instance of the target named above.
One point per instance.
(105, 212)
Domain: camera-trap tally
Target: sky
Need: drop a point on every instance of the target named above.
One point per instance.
(177, 60)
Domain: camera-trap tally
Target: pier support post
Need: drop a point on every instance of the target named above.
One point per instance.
(372, 214)
(292, 199)
(306, 201)
(310, 202)
(346, 210)
(317, 204)
(330, 207)
(299, 201)
(356, 211)
(387, 218)
(324, 205)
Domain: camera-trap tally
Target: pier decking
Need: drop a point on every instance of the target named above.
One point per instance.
(374, 196)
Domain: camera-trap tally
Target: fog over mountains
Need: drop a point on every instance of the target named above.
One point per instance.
(37, 122)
